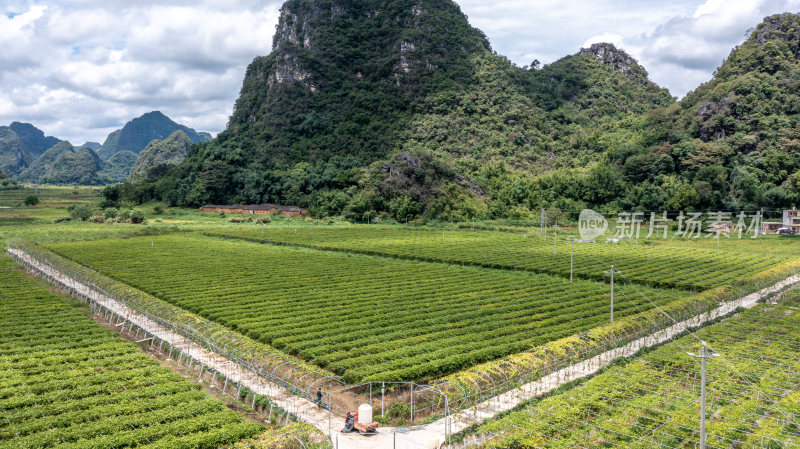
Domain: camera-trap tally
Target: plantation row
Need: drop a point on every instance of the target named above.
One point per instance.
(670, 267)
(66, 382)
(753, 395)
(362, 317)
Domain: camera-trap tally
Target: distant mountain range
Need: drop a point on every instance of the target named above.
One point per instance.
(27, 155)
(139, 132)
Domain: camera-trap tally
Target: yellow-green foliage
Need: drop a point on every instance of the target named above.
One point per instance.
(653, 400)
(70, 383)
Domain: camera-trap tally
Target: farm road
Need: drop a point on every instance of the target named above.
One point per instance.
(421, 437)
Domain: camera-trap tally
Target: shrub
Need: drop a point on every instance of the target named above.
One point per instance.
(124, 215)
(32, 200)
(158, 210)
(399, 411)
(98, 217)
(137, 216)
(61, 219)
(110, 213)
(82, 213)
(264, 220)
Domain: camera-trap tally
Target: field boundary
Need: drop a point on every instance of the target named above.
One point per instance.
(586, 368)
(185, 347)
(602, 278)
(425, 435)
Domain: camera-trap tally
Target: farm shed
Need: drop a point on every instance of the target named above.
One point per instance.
(256, 209)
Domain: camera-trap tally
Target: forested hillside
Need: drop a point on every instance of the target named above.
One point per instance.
(160, 154)
(402, 107)
(14, 157)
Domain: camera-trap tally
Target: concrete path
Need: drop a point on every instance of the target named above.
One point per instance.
(421, 437)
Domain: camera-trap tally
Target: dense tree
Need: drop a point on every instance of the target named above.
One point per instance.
(409, 113)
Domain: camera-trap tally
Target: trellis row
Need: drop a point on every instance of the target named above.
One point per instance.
(642, 391)
(186, 348)
(562, 375)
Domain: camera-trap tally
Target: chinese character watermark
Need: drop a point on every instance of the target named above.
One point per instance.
(592, 225)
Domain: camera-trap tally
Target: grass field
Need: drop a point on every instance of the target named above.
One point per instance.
(653, 401)
(674, 266)
(66, 382)
(52, 197)
(360, 316)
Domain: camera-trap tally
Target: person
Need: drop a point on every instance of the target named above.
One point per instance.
(319, 397)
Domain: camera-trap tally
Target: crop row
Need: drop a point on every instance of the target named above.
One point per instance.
(753, 395)
(67, 382)
(659, 266)
(365, 318)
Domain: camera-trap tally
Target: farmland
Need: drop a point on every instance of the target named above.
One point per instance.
(684, 267)
(69, 383)
(363, 317)
(653, 401)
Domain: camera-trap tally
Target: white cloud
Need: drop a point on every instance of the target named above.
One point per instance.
(611, 38)
(683, 52)
(679, 42)
(79, 69)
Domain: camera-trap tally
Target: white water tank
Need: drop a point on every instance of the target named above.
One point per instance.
(365, 414)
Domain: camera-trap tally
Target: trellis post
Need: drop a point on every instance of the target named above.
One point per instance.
(612, 273)
(555, 240)
(703, 355)
(412, 403)
(571, 255)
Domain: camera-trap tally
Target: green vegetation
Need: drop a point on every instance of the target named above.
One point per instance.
(118, 167)
(298, 435)
(61, 164)
(33, 138)
(82, 213)
(653, 401)
(684, 267)
(31, 200)
(6, 182)
(160, 154)
(362, 317)
(69, 383)
(52, 199)
(437, 125)
(139, 132)
(14, 157)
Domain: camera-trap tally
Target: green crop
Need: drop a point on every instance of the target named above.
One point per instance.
(365, 318)
(66, 382)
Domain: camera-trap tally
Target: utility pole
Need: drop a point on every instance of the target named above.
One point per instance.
(704, 354)
(612, 273)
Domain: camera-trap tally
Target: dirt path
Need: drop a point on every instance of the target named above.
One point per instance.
(421, 437)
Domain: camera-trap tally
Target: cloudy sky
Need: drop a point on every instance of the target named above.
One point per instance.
(78, 69)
